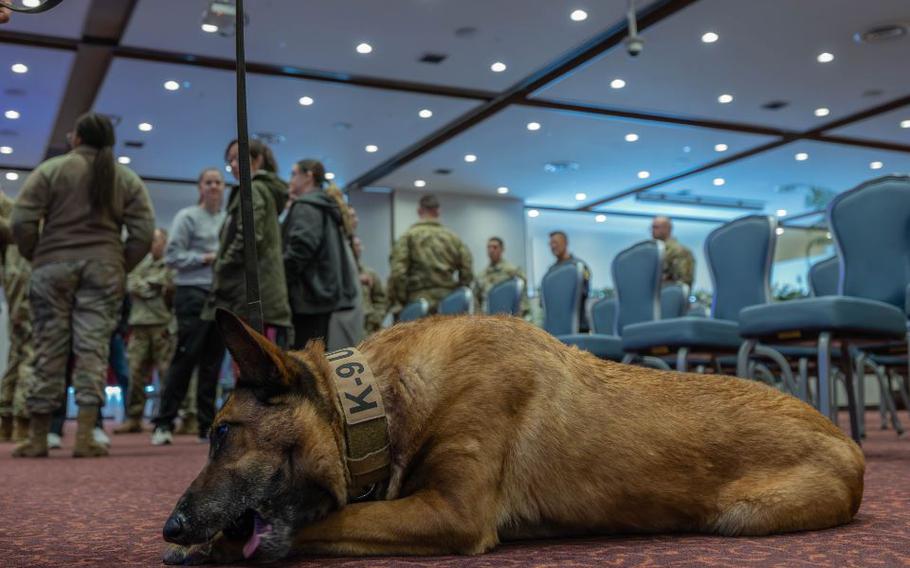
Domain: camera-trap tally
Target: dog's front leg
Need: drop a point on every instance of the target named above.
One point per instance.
(426, 522)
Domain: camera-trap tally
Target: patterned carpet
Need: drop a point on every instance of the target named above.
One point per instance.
(109, 512)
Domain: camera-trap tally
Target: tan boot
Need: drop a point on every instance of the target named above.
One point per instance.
(188, 426)
(20, 429)
(131, 425)
(6, 428)
(86, 447)
(36, 445)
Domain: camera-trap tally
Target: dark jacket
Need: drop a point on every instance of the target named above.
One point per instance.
(228, 282)
(319, 279)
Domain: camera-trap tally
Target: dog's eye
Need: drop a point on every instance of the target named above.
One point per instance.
(221, 431)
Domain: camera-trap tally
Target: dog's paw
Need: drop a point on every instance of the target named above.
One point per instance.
(193, 555)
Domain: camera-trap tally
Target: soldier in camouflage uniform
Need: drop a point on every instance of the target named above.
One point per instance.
(679, 263)
(14, 384)
(425, 259)
(375, 301)
(153, 328)
(499, 270)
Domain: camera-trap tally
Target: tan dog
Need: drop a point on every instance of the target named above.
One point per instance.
(499, 431)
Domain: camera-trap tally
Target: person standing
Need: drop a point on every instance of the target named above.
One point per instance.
(191, 252)
(426, 259)
(559, 246)
(679, 263)
(68, 221)
(499, 270)
(151, 345)
(375, 301)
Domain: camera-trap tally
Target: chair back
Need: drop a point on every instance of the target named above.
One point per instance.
(561, 292)
(636, 276)
(603, 316)
(824, 276)
(505, 297)
(739, 256)
(871, 228)
(674, 301)
(415, 310)
(461, 301)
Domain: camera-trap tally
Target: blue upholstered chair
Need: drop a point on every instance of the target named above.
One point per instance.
(870, 224)
(739, 257)
(674, 301)
(823, 277)
(636, 277)
(505, 297)
(460, 301)
(415, 310)
(560, 291)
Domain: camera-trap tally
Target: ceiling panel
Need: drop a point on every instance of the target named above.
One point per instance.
(63, 21)
(510, 155)
(35, 95)
(323, 35)
(766, 52)
(886, 127)
(192, 125)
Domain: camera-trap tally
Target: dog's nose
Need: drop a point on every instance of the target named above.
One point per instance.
(173, 528)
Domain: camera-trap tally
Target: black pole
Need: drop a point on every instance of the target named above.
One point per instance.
(250, 257)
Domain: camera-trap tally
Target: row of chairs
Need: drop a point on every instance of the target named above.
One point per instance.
(503, 298)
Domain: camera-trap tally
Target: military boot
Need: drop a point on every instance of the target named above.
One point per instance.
(6, 428)
(36, 445)
(131, 425)
(86, 446)
(20, 429)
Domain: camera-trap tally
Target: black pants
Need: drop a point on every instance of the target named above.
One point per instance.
(310, 326)
(198, 344)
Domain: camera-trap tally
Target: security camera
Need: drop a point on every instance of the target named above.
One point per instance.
(634, 46)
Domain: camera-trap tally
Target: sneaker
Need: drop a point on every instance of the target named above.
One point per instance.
(54, 442)
(100, 437)
(161, 437)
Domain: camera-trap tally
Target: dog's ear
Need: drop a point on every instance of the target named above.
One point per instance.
(264, 367)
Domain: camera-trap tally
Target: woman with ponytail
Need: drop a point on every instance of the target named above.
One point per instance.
(68, 221)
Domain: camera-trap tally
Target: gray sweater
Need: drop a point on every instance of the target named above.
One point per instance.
(194, 232)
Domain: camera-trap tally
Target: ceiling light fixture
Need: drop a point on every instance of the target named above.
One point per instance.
(364, 48)
(420, 183)
(578, 16)
(825, 57)
(329, 176)
(779, 231)
(905, 124)
(425, 113)
(19, 68)
(631, 137)
(305, 101)
(498, 67)
(502, 190)
(171, 85)
(533, 126)
(617, 84)
(876, 165)
(531, 213)
(600, 218)
(31, 3)
(6, 149)
(720, 147)
(719, 181)
(822, 111)
(725, 98)
(12, 176)
(801, 157)
(781, 212)
(145, 127)
(581, 196)
(709, 37)
(209, 28)
(124, 160)
(644, 174)
(12, 114)
(371, 148)
(470, 158)
(221, 17)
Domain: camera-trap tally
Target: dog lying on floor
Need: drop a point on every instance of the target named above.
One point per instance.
(485, 429)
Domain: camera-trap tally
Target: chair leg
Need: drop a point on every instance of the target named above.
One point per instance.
(682, 359)
(863, 365)
(824, 374)
(901, 383)
(700, 369)
(887, 401)
(742, 358)
(785, 371)
(628, 358)
(764, 374)
(656, 363)
(847, 363)
(804, 393)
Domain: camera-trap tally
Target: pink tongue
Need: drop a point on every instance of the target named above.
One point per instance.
(259, 529)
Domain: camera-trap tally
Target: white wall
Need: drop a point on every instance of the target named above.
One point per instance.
(375, 229)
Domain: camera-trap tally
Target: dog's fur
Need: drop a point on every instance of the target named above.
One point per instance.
(499, 431)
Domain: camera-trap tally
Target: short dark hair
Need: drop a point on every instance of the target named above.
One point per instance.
(429, 202)
(561, 234)
(498, 240)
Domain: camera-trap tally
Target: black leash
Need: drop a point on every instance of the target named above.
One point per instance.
(250, 257)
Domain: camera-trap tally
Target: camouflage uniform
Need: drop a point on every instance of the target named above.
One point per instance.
(16, 274)
(153, 325)
(424, 261)
(493, 275)
(375, 301)
(679, 264)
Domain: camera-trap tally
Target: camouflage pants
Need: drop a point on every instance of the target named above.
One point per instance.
(16, 379)
(75, 307)
(151, 347)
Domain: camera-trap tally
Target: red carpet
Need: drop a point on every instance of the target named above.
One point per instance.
(109, 512)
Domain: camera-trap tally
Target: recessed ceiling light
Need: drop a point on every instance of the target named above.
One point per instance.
(371, 148)
(779, 231)
(171, 85)
(227, 168)
(876, 165)
(533, 213)
(781, 212)
(12, 176)
(19, 68)
(145, 127)
(644, 174)
(329, 176)
(502, 190)
(828, 235)
(6, 149)
(31, 3)
(617, 84)
(364, 48)
(209, 28)
(12, 114)
(498, 67)
(720, 147)
(420, 183)
(825, 57)
(822, 111)
(600, 218)
(905, 124)
(124, 160)
(719, 181)
(532, 126)
(631, 137)
(469, 158)
(581, 196)
(709, 37)
(425, 113)
(579, 16)
(725, 98)
(305, 101)
(801, 157)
